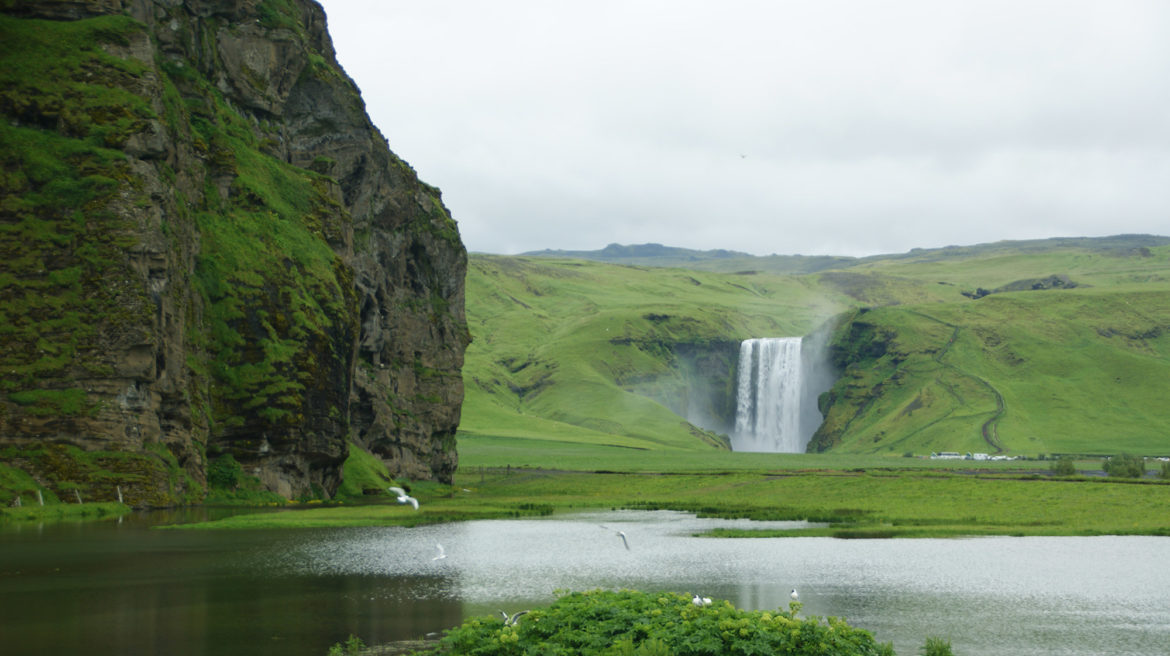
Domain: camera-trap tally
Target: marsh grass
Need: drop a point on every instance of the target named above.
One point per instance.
(65, 512)
(382, 514)
(495, 451)
(906, 503)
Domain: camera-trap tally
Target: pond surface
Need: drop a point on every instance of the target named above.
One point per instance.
(122, 588)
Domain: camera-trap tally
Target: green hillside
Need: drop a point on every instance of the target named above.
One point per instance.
(585, 351)
(1018, 348)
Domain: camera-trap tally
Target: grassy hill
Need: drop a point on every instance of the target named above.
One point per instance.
(1059, 346)
(584, 351)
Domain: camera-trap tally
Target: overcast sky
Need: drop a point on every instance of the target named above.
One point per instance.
(772, 126)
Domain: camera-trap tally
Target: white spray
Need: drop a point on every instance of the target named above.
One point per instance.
(775, 405)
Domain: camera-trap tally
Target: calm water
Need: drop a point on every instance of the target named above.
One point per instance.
(121, 589)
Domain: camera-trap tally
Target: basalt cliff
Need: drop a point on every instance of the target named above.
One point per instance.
(207, 248)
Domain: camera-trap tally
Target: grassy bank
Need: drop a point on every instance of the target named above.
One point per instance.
(858, 502)
(65, 512)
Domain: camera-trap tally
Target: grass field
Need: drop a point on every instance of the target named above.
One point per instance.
(850, 496)
(886, 502)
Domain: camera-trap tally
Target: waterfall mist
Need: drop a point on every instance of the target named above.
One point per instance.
(778, 384)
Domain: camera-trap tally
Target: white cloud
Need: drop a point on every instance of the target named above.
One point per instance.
(792, 127)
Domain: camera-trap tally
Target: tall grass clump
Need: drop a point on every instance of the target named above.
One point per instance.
(935, 646)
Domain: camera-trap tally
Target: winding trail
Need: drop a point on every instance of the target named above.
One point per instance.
(990, 428)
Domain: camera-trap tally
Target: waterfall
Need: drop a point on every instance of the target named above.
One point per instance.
(773, 410)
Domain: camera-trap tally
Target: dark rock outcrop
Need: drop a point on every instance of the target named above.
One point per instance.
(208, 248)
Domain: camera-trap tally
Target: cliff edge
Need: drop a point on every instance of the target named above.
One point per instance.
(207, 248)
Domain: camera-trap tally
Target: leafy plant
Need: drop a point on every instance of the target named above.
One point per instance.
(631, 622)
(224, 473)
(935, 646)
(1125, 466)
(1065, 466)
(353, 646)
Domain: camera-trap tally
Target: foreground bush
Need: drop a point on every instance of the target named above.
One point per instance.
(645, 624)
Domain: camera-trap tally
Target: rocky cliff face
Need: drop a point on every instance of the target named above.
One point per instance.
(208, 248)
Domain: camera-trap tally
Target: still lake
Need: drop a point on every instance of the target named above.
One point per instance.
(122, 588)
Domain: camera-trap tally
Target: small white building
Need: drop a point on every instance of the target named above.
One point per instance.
(946, 455)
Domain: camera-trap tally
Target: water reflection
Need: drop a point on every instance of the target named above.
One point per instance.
(114, 590)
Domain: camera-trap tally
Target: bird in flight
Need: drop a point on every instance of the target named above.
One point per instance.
(511, 621)
(620, 534)
(794, 595)
(442, 552)
(403, 497)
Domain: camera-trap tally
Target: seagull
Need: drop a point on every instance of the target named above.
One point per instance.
(442, 552)
(403, 497)
(511, 621)
(794, 595)
(701, 601)
(622, 535)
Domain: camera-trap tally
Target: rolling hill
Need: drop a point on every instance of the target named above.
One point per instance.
(1050, 346)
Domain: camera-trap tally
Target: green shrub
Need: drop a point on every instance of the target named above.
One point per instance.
(1125, 466)
(224, 473)
(632, 622)
(936, 647)
(1165, 470)
(353, 646)
(1064, 467)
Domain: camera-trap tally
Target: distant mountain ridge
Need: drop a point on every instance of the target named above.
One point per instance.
(658, 255)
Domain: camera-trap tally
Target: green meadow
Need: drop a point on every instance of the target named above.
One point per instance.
(846, 496)
(882, 502)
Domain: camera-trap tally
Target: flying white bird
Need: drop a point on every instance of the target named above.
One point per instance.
(511, 621)
(620, 534)
(403, 497)
(442, 552)
(794, 595)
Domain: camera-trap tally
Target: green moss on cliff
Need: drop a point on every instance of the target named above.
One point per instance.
(66, 105)
(280, 309)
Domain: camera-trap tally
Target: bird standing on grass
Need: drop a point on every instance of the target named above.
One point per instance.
(403, 497)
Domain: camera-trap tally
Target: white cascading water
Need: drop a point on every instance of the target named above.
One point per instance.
(769, 396)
